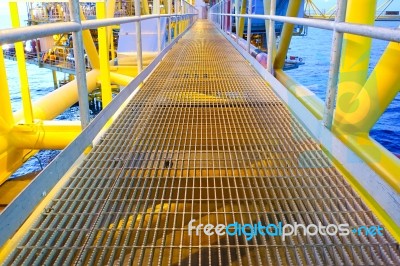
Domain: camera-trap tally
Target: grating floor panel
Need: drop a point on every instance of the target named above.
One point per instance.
(204, 139)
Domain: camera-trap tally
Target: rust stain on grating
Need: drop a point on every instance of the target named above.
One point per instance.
(204, 139)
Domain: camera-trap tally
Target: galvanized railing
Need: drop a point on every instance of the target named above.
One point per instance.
(343, 133)
(13, 216)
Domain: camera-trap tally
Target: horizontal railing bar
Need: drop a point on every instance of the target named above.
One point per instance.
(32, 32)
(37, 31)
(92, 24)
(375, 32)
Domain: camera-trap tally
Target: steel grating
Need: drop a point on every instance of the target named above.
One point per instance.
(204, 139)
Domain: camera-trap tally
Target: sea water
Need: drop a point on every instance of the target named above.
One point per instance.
(313, 48)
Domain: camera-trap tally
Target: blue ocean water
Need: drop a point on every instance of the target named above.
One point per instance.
(314, 48)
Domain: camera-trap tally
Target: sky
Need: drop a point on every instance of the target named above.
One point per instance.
(322, 4)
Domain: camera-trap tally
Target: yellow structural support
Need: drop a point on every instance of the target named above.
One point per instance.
(65, 96)
(54, 135)
(106, 92)
(242, 19)
(374, 97)
(23, 75)
(90, 48)
(6, 116)
(145, 7)
(286, 36)
(354, 65)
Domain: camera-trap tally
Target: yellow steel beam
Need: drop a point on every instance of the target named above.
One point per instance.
(354, 63)
(49, 135)
(309, 99)
(56, 102)
(119, 79)
(106, 93)
(12, 160)
(145, 7)
(375, 96)
(90, 48)
(241, 20)
(286, 36)
(23, 75)
(6, 116)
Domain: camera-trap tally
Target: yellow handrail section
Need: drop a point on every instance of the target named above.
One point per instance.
(26, 131)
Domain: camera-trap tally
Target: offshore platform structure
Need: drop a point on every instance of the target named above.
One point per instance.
(201, 136)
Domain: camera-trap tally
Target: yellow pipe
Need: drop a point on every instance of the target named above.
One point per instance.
(375, 96)
(6, 116)
(56, 102)
(306, 97)
(90, 48)
(354, 63)
(106, 93)
(119, 79)
(12, 160)
(383, 162)
(23, 75)
(287, 33)
(241, 20)
(145, 7)
(53, 135)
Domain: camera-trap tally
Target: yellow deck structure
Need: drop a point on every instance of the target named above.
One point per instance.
(205, 138)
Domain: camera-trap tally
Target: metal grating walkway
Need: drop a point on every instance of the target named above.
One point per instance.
(205, 139)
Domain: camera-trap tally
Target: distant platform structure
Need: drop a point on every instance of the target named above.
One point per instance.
(383, 13)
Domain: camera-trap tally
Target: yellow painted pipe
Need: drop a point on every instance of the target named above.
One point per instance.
(23, 75)
(287, 33)
(354, 62)
(90, 48)
(145, 7)
(382, 161)
(375, 96)
(6, 116)
(54, 135)
(106, 93)
(122, 80)
(241, 19)
(12, 160)
(308, 99)
(56, 102)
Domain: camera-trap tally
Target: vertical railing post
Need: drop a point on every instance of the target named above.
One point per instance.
(23, 75)
(237, 19)
(156, 11)
(80, 67)
(138, 37)
(330, 100)
(231, 17)
(271, 38)
(249, 12)
(169, 20)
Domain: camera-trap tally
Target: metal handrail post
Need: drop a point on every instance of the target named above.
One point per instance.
(330, 99)
(271, 38)
(156, 11)
(169, 20)
(138, 37)
(249, 11)
(80, 66)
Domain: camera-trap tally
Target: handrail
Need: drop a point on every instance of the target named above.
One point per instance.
(18, 210)
(43, 30)
(376, 32)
